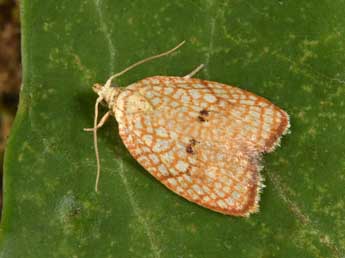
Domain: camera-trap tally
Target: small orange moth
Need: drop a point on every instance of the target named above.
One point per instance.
(203, 140)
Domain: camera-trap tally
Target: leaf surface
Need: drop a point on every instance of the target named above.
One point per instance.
(289, 52)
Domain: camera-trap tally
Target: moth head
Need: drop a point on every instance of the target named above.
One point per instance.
(107, 93)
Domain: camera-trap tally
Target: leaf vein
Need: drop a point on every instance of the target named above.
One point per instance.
(138, 213)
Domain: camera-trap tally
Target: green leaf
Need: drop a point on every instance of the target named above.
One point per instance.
(291, 52)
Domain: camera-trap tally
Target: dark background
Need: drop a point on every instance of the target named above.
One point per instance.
(10, 70)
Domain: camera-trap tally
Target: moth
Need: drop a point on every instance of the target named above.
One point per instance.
(202, 139)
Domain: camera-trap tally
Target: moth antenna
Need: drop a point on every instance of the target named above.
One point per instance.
(99, 99)
(108, 83)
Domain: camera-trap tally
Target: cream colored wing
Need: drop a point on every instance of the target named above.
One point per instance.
(201, 139)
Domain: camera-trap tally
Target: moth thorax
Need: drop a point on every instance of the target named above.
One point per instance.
(109, 94)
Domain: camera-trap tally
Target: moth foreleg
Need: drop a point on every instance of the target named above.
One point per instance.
(100, 123)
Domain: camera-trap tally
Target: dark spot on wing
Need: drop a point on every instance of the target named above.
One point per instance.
(201, 119)
(193, 141)
(189, 149)
(204, 112)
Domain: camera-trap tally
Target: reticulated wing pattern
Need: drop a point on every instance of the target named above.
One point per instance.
(202, 139)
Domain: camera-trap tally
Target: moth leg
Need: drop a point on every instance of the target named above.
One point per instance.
(192, 73)
(100, 124)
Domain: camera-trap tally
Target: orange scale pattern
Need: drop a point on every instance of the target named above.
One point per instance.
(201, 139)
